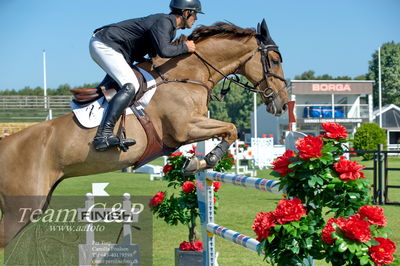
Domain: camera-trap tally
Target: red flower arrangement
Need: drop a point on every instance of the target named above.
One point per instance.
(348, 170)
(196, 246)
(318, 179)
(334, 131)
(382, 253)
(328, 229)
(217, 186)
(309, 147)
(157, 199)
(289, 210)
(262, 224)
(281, 164)
(373, 215)
(182, 207)
(286, 211)
(188, 186)
(167, 168)
(356, 229)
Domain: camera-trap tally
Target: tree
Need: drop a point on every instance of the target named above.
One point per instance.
(310, 75)
(390, 67)
(367, 137)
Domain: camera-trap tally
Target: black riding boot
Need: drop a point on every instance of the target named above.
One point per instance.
(105, 138)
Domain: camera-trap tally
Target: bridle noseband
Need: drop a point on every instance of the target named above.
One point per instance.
(267, 92)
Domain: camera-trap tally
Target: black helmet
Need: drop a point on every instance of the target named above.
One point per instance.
(194, 5)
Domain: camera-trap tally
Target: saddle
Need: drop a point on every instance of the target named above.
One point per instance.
(108, 88)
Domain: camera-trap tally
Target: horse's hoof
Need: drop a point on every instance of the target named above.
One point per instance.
(193, 166)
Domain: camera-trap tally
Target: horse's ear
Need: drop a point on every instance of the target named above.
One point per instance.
(264, 29)
(258, 28)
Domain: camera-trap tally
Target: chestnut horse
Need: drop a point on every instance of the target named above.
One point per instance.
(33, 161)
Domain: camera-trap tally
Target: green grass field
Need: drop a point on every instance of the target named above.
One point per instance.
(237, 209)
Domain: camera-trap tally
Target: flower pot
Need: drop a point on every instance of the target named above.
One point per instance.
(188, 258)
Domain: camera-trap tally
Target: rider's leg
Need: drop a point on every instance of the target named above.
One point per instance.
(105, 137)
(116, 66)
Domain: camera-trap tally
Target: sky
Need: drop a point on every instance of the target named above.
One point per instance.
(329, 37)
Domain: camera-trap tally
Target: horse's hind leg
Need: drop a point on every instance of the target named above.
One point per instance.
(202, 129)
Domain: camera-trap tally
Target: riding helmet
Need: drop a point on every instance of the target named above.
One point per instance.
(194, 5)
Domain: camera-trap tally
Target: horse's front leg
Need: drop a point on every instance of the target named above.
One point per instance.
(202, 128)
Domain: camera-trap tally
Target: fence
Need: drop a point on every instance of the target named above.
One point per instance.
(381, 174)
(205, 194)
(32, 108)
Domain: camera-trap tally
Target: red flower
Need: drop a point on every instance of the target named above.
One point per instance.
(157, 199)
(188, 187)
(382, 253)
(334, 131)
(178, 153)
(289, 210)
(348, 170)
(281, 163)
(373, 214)
(356, 229)
(309, 147)
(197, 246)
(193, 150)
(328, 229)
(217, 186)
(185, 246)
(262, 225)
(167, 168)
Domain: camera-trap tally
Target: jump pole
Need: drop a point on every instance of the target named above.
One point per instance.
(205, 196)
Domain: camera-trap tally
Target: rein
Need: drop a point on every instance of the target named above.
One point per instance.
(268, 92)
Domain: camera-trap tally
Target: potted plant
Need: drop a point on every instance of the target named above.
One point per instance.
(320, 182)
(180, 206)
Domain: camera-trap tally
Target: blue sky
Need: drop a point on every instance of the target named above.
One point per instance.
(330, 37)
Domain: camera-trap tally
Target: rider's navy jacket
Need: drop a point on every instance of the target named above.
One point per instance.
(135, 38)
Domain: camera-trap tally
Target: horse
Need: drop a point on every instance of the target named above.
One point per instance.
(35, 160)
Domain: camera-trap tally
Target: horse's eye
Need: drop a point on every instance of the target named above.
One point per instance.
(275, 61)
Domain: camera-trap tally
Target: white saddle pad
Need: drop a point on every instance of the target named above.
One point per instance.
(90, 115)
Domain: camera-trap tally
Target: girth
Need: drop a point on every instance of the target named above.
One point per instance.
(155, 146)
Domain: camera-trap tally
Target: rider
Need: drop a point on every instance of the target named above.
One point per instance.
(116, 47)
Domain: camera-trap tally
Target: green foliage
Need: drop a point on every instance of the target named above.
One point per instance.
(310, 75)
(390, 66)
(367, 137)
(181, 206)
(325, 182)
(39, 91)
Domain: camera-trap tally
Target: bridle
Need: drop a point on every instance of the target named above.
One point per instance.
(268, 92)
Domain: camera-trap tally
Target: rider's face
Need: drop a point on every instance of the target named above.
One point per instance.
(192, 18)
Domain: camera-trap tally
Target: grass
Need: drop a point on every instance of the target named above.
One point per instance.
(237, 209)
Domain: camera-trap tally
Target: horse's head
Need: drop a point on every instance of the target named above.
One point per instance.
(264, 70)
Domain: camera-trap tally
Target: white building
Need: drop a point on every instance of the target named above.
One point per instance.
(391, 123)
(351, 101)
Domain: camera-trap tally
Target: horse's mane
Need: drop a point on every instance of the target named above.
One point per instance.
(220, 29)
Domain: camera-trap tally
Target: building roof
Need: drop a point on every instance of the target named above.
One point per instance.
(390, 116)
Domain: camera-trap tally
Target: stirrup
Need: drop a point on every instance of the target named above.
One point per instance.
(107, 142)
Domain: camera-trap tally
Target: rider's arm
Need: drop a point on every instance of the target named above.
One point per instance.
(161, 34)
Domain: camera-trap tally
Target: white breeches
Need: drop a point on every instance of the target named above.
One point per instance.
(112, 62)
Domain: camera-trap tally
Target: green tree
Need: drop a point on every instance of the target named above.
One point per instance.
(367, 137)
(310, 75)
(390, 67)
